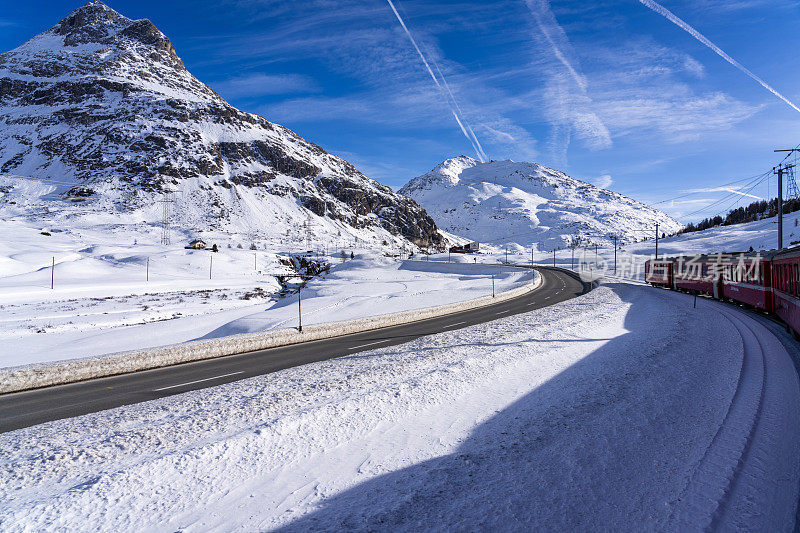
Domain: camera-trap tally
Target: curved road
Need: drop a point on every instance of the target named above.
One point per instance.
(23, 409)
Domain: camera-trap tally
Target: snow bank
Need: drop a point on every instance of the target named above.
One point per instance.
(595, 413)
(60, 372)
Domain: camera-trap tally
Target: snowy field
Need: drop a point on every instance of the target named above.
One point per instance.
(102, 301)
(596, 413)
(761, 235)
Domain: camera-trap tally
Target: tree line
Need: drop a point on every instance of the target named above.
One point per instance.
(755, 211)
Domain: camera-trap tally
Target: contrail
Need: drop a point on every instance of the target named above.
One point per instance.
(476, 143)
(541, 10)
(456, 110)
(664, 12)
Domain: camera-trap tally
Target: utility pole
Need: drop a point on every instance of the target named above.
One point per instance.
(554, 257)
(781, 168)
(656, 240)
(506, 254)
(210, 266)
(255, 265)
(615, 254)
(791, 185)
(492, 285)
(166, 203)
(531, 256)
(779, 171)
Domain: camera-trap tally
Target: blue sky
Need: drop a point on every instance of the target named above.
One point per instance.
(608, 91)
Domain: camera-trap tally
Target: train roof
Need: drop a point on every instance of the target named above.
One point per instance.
(725, 256)
(788, 253)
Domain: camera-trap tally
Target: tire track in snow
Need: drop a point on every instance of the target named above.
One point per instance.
(720, 494)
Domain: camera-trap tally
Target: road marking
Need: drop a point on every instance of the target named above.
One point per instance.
(198, 381)
(368, 344)
(456, 324)
(501, 313)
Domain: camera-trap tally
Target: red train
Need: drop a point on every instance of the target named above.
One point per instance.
(765, 280)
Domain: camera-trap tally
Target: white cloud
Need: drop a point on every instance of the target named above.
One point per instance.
(604, 181)
(567, 104)
(666, 13)
(674, 113)
(265, 84)
(694, 66)
(738, 5)
(733, 190)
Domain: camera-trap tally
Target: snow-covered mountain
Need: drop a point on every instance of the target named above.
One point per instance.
(507, 202)
(99, 116)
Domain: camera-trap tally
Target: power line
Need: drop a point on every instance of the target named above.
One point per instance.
(742, 196)
(698, 192)
(760, 178)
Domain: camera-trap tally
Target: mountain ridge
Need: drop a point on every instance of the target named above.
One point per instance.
(105, 104)
(524, 204)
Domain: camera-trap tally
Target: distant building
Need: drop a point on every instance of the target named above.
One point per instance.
(196, 244)
(469, 248)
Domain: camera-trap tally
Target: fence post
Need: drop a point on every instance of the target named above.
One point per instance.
(299, 312)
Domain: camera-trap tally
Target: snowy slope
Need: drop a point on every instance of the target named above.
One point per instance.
(760, 235)
(505, 202)
(578, 417)
(99, 118)
(120, 311)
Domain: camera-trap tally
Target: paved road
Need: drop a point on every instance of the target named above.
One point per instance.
(23, 409)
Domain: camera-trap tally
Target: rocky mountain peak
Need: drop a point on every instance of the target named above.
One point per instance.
(93, 22)
(96, 40)
(97, 23)
(105, 102)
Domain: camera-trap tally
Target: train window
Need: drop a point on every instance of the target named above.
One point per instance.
(783, 277)
(796, 280)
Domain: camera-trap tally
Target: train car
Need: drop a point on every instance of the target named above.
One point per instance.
(746, 279)
(766, 280)
(698, 273)
(658, 272)
(785, 281)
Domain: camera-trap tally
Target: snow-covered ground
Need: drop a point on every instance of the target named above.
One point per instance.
(102, 301)
(596, 413)
(761, 235)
